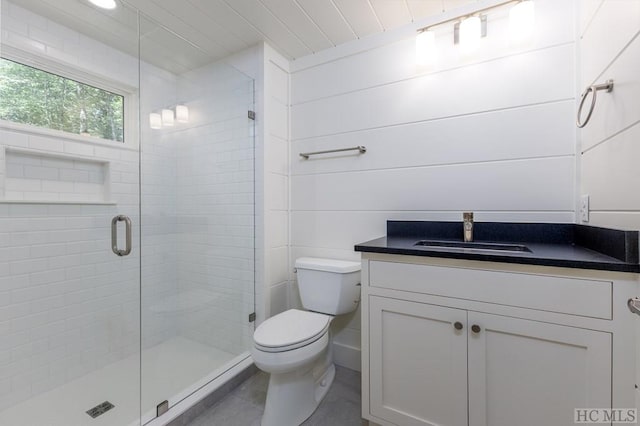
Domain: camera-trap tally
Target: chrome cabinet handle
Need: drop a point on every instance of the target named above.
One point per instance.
(634, 305)
(458, 325)
(476, 328)
(114, 235)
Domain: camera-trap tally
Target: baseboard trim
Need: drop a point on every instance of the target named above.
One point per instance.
(347, 356)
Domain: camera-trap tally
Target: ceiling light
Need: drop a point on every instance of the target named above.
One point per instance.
(521, 21)
(167, 117)
(425, 48)
(104, 4)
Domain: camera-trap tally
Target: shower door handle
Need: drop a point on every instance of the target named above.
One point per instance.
(114, 235)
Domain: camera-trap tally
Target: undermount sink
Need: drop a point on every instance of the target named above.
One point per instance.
(475, 246)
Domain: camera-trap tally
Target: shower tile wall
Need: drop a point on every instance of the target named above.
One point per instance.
(197, 210)
(68, 305)
(215, 208)
(159, 223)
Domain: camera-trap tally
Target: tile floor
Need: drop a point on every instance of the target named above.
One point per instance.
(244, 405)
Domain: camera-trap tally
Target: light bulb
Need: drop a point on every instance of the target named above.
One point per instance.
(167, 117)
(426, 48)
(470, 33)
(155, 120)
(104, 4)
(521, 22)
(182, 114)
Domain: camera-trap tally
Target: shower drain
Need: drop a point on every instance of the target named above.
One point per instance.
(100, 409)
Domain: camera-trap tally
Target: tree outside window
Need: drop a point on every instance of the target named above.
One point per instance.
(38, 98)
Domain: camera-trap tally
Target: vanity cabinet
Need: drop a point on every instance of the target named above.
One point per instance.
(533, 372)
(457, 343)
(418, 363)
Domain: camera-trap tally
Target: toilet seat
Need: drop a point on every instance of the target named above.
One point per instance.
(290, 330)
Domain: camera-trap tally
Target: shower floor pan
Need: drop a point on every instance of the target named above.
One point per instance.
(171, 369)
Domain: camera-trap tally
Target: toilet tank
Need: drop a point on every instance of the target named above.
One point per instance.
(328, 286)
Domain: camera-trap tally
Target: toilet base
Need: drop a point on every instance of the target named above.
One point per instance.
(293, 397)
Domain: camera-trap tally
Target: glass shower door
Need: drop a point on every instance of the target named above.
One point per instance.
(197, 164)
(69, 305)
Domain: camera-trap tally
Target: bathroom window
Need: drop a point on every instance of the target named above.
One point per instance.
(35, 97)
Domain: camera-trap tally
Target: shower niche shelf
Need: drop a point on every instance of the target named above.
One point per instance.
(38, 177)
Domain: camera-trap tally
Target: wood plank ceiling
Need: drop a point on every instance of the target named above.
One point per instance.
(219, 28)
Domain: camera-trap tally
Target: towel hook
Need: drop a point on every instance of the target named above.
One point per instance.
(608, 86)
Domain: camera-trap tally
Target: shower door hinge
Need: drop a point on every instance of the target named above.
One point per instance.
(252, 317)
(251, 114)
(162, 408)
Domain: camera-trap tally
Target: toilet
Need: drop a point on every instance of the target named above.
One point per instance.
(294, 346)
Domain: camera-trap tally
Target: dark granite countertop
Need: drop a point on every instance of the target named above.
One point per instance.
(564, 245)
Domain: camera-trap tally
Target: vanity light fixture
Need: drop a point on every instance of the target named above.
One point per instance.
(168, 118)
(521, 21)
(182, 114)
(469, 29)
(469, 32)
(104, 4)
(155, 120)
(425, 48)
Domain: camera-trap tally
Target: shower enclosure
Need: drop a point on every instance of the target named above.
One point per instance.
(127, 257)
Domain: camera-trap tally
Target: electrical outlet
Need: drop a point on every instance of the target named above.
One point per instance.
(584, 208)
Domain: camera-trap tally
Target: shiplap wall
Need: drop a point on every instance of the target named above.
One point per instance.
(492, 133)
(610, 142)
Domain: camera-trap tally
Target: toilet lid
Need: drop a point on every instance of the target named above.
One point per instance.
(292, 327)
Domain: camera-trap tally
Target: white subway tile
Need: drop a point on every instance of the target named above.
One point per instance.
(78, 148)
(14, 139)
(45, 37)
(24, 42)
(43, 173)
(22, 185)
(72, 175)
(45, 144)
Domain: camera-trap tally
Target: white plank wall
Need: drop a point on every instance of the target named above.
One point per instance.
(492, 133)
(610, 174)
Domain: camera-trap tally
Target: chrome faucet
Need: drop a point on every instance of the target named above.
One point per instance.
(467, 218)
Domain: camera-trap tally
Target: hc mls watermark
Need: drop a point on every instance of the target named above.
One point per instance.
(605, 415)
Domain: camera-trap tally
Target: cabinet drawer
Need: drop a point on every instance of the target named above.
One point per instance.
(573, 296)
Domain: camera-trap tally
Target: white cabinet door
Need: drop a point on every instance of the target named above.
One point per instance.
(529, 373)
(418, 363)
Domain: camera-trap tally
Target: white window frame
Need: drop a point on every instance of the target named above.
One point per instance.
(129, 94)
